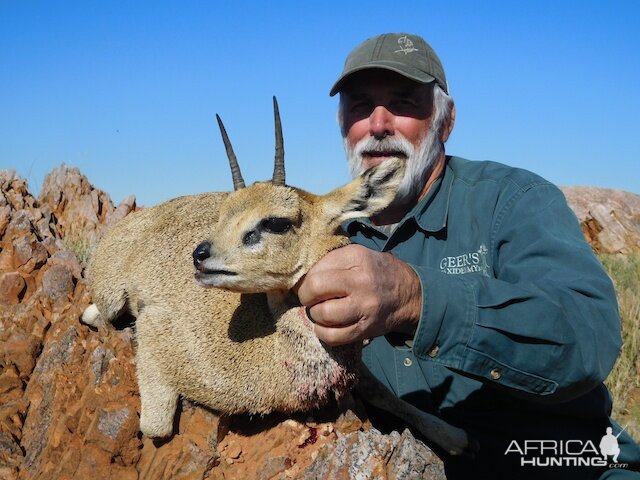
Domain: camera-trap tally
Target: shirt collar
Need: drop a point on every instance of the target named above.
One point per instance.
(430, 213)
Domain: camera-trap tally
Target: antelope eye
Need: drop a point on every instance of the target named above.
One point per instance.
(251, 238)
(276, 224)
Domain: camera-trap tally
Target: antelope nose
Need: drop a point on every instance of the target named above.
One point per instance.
(201, 253)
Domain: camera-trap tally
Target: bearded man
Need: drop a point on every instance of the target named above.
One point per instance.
(482, 300)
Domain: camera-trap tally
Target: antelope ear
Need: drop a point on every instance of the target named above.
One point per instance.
(366, 195)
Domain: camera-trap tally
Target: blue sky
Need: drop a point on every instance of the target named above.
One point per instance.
(127, 91)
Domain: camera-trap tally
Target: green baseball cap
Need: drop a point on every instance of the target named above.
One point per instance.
(403, 53)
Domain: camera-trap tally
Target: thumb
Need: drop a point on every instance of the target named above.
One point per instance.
(296, 287)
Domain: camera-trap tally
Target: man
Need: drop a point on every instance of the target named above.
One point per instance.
(609, 445)
(483, 301)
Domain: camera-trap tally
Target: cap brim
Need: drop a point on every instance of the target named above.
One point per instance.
(400, 68)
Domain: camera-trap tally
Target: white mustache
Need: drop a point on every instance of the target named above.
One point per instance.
(419, 159)
(396, 144)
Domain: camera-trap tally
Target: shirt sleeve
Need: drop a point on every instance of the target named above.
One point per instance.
(545, 326)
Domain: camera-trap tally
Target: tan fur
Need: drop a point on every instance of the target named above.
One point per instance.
(235, 352)
(245, 346)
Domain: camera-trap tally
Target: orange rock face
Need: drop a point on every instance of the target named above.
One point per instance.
(69, 400)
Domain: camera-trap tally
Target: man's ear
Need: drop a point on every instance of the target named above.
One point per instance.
(447, 129)
(365, 196)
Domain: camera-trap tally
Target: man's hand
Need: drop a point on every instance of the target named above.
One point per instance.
(354, 293)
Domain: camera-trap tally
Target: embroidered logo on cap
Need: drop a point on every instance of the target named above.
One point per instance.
(406, 45)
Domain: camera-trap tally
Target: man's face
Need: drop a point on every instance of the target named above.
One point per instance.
(385, 115)
(383, 104)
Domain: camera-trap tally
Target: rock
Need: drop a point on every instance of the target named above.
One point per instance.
(82, 213)
(5, 216)
(190, 453)
(82, 420)
(412, 460)
(12, 287)
(371, 455)
(57, 419)
(610, 219)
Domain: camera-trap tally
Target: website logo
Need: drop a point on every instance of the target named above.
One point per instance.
(568, 453)
(609, 445)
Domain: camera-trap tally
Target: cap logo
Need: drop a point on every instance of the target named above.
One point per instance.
(406, 45)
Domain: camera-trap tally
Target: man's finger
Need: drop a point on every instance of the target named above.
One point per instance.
(336, 313)
(316, 288)
(341, 258)
(338, 336)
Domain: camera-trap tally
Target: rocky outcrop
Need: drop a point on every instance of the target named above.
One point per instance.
(69, 406)
(82, 213)
(49, 376)
(610, 219)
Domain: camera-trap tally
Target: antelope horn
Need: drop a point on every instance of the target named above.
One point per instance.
(278, 168)
(238, 182)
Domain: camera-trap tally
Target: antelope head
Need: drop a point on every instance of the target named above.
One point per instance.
(268, 235)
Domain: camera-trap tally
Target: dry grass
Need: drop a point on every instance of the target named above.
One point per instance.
(624, 380)
(79, 245)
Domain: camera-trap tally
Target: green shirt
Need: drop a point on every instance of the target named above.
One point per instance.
(519, 323)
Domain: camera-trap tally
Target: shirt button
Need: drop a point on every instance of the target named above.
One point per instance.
(496, 374)
(433, 353)
(407, 362)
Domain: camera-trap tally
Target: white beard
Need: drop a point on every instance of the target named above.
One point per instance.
(419, 161)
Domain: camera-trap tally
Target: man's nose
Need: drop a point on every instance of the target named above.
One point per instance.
(381, 122)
